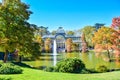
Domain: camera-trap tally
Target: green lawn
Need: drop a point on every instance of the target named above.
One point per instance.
(32, 74)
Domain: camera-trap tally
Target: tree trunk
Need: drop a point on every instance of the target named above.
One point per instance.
(109, 55)
(5, 56)
(20, 58)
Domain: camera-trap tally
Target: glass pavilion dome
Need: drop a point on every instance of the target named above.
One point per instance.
(60, 30)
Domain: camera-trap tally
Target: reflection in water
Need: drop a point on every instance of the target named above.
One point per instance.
(84, 57)
(54, 60)
(37, 63)
(90, 60)
(90, 56)
(71, 55)
(117, 64)
(46, 60)
(54, 53)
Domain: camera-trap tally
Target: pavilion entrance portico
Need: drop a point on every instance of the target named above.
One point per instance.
(60, 43)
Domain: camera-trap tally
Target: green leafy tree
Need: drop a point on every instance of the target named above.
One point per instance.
(14, 28)
(70, 33)
(42, 30)
(38, 38)
(88, 33)
(53, 32)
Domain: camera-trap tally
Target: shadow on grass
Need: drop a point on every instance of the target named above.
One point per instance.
(22, 64)
(28, 66)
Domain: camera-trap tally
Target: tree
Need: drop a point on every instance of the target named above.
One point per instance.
(14, 28)
(53, 32)
(48, 45)
(42, 30)
(116, 40)
(70, 33)
(69, 43)
(39, 40)
(75, 47)
(103, 40)
(88, 32)
(84, 44)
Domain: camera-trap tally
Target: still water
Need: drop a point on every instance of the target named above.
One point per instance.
(90, 60)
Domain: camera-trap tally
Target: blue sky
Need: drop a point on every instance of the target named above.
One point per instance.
(72, 14)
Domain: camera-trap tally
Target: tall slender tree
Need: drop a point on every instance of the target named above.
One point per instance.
(84, 44)
(69, 43)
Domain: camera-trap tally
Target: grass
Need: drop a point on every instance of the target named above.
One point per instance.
(33, 74)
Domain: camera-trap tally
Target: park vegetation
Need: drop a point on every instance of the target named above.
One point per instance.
(69, 43)
(116, 34)
(70, 66)
(88, 32)
(102, 40)
(15, 32)
(9, 68)
(48, 45)
(108, 38)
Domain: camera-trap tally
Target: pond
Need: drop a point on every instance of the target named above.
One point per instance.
(90, 60)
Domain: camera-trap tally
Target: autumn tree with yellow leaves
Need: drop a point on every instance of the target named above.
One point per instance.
(108, 38)
(103, 40)
(69, 44)
(48, 45)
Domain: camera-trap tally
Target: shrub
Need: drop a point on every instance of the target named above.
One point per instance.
(9, 68)
(70, 65)
(92, 71)
(101, 68)
(85, 71)
(49, 69)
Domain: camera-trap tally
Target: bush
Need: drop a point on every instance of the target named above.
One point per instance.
(71, 65)
(85, 71)
(49, 69)
(92, 71)
(101, 68)
(9, 68)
